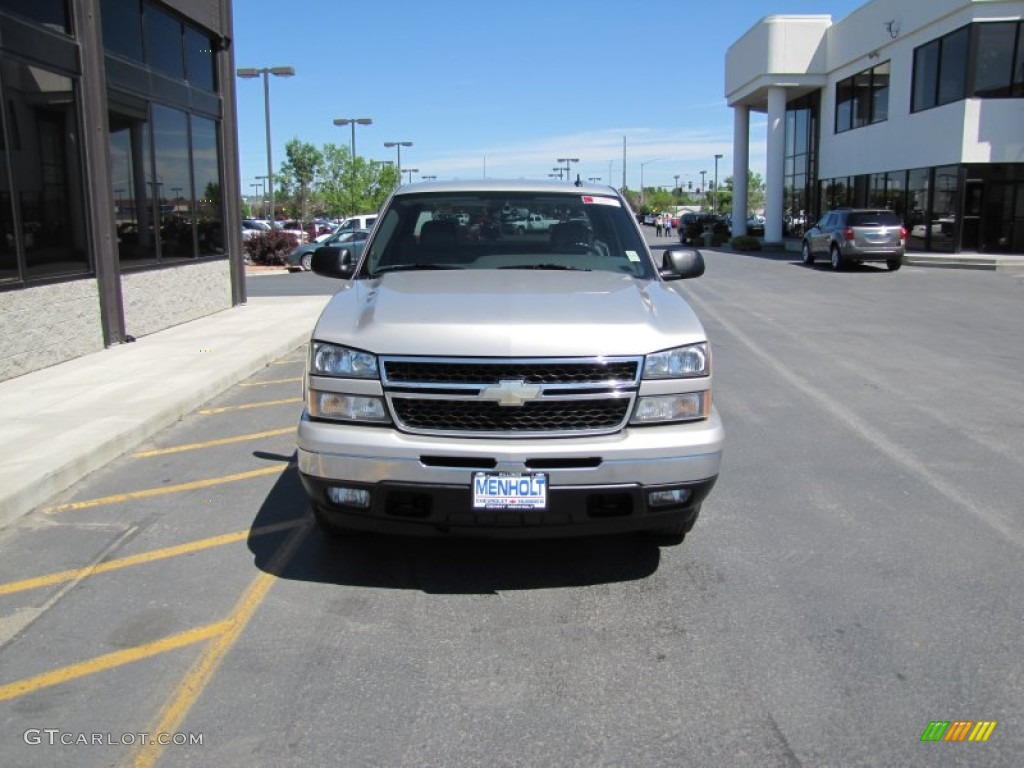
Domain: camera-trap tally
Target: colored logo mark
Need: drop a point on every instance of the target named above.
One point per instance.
(958, 730)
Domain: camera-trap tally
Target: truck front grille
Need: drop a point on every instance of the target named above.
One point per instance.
(511, 397)
(472, 416)
(491, 372)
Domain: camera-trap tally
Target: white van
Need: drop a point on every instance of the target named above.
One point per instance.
(362, 221)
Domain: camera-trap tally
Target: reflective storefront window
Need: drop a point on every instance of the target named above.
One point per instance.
(44, 210)
(133, 216)
(49, 13)
(199, 58)
(164, 42)
(122, 27)
(206, 174)
(944, 208)
(171, 189)
(918, 189)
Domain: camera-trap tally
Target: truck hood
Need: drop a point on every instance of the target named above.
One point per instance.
(517, 313)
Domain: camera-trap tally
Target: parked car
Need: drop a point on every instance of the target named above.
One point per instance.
(693, 225)
(302, 257)
(464, 386)
(854, 235)
(252, 227)
(293, 228)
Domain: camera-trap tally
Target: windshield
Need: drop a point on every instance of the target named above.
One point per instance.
(494, 230)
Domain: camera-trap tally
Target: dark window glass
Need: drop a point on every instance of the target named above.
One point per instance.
(206, 173)
(199, 58)
(8, 249)
(918, 189)
(880, 93)
(1018, 64)
(861, 99)
(49, 13)
(47, 169)
(164, 43)
(878, 218)
(993, 74)
(926, 76)
(844, 105)
(173, 182)
(953, 66)
(133, 213)
(943, 214)
(122, 27)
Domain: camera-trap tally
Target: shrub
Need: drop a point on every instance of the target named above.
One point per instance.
(746, 243)
(270, 248)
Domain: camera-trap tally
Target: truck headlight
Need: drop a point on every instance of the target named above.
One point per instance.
(680, 363)
(335, 360)
(339, 406)
(689, 406)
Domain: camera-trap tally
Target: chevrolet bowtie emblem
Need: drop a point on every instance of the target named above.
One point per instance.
(511, 392)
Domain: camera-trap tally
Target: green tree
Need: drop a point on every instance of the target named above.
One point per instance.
(298, 175)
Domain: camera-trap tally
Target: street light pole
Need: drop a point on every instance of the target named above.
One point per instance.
(398, 145)
(342, 121)
(642, 196)
(703, 189)
(249, 72)
(714, 197)
(411, 171)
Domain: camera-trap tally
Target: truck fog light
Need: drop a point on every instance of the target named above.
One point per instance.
(670, 498)
(348, 497)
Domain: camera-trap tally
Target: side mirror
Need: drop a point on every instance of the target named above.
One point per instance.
(333, 261)
(680, 264)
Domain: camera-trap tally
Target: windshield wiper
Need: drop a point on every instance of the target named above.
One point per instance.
(412, 267)
(547, 266)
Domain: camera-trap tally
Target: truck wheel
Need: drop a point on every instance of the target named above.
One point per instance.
(806, 254)
(838, 262)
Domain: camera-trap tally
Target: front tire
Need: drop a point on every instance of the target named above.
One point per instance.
(674, 534)
(806, 254)
(306, 262)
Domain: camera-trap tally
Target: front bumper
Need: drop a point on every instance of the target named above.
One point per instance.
(422, 485)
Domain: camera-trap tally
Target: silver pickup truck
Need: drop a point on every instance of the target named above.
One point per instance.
(464, 381)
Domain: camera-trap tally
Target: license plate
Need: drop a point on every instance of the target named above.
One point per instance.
(510, 490)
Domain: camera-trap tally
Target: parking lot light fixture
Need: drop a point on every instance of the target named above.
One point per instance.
(251, 72)
(714, 194)
(353, 121)
(411, 171)
(398, 146)
(568, 169)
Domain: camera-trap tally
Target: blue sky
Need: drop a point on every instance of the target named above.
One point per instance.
(504, 89)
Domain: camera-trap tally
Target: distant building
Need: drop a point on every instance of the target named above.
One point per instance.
(119, 179)
(909, 105)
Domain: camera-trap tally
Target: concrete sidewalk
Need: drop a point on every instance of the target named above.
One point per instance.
(60, 423)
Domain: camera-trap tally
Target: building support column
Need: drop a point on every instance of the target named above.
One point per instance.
(775, 177)
(230, 173)
(96, 158)
(740, 164)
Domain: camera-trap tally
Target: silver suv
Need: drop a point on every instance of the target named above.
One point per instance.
(470, 380)
(854, 235)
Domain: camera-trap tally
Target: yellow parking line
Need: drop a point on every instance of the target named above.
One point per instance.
(269, 381)
(166, 489)
(111, 660)
(212, 443)
(248, 406)
(75, 574)
(198, 677)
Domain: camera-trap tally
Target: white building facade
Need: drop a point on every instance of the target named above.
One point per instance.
(908, 105)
